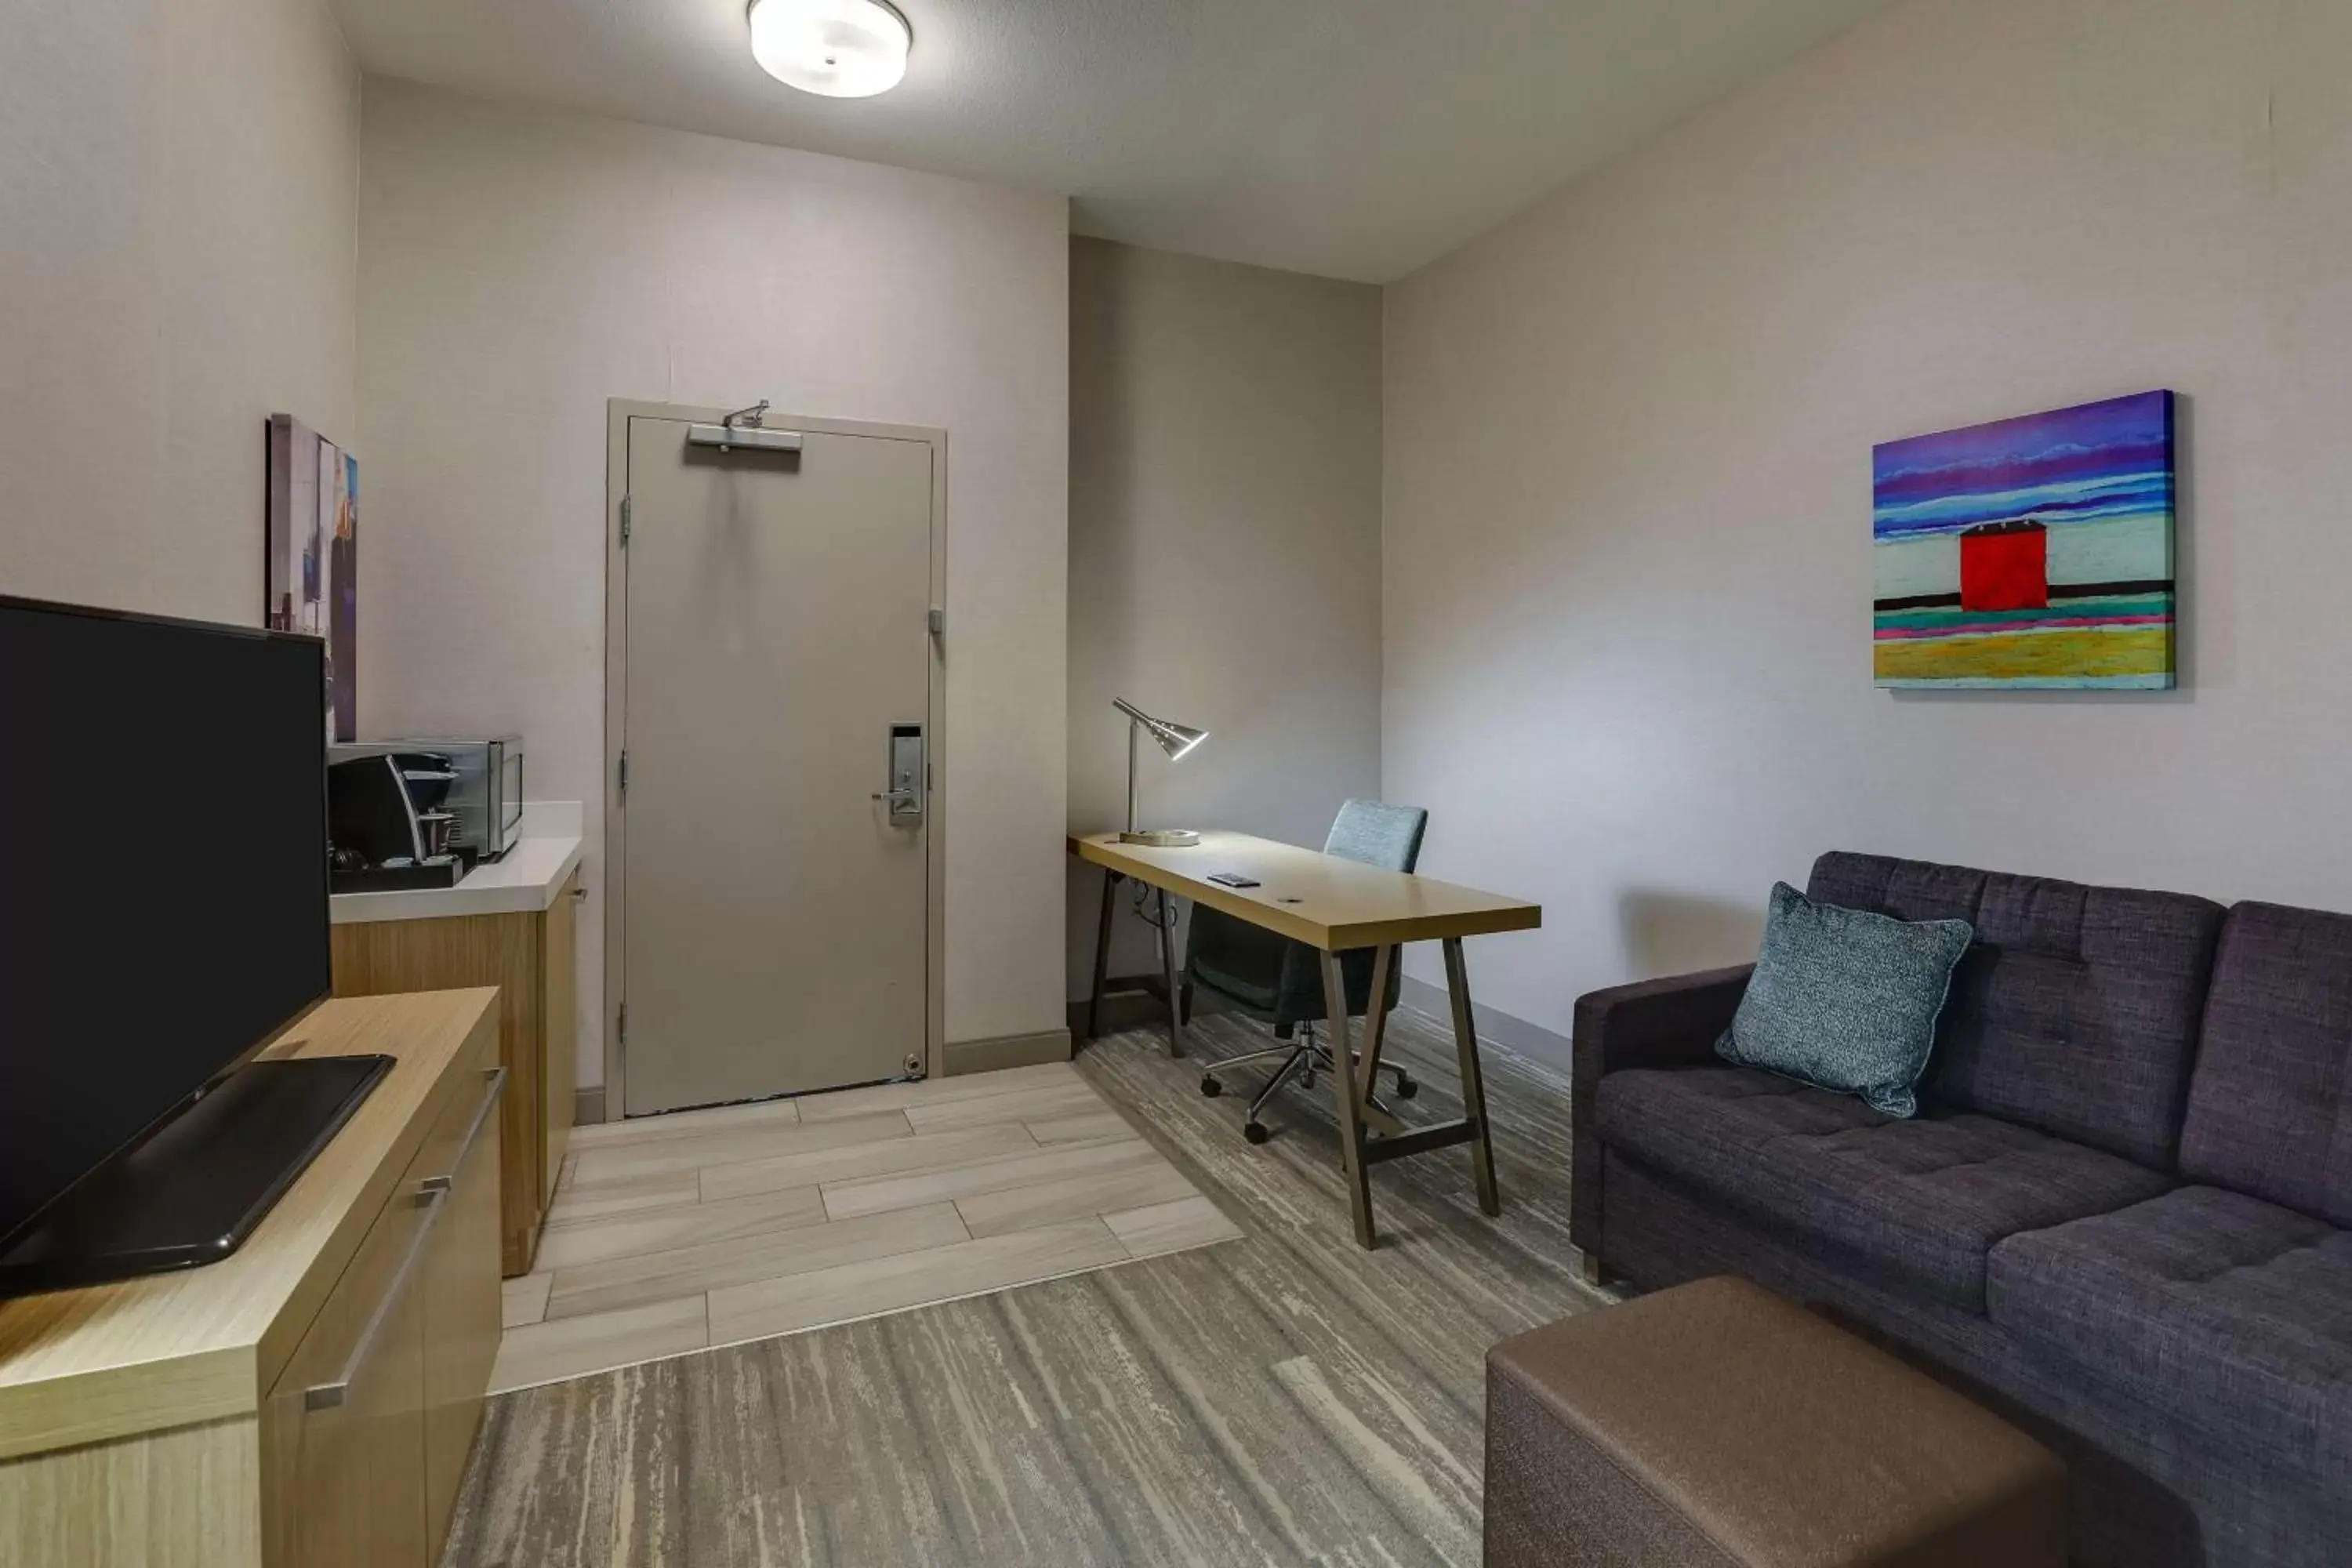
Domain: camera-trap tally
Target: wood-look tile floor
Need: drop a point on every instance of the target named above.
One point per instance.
(673, 1234)
(1282, 1398)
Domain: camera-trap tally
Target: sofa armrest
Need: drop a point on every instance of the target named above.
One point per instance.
(1669, 1022)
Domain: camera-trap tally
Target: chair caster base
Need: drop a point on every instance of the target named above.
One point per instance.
(1211, 1087)
(1255, 1132)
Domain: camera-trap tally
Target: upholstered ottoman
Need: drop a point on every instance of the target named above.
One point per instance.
(1717, 1424)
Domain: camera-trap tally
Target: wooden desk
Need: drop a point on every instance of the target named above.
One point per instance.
(1333, 906)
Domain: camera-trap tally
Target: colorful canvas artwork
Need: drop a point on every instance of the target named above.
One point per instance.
(343, 618)
(2030, 552)
(311, 557)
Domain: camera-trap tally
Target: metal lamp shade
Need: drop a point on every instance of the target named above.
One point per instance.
(1176, 740)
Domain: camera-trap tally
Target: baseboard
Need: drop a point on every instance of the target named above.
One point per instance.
(1527, 1040)
(588, 1106)
(1007, 1051)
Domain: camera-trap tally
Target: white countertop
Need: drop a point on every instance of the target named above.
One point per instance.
(525, 882)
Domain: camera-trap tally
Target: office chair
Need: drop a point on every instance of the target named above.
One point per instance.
(1280, 982)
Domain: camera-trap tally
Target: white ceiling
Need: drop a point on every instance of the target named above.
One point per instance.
(1351, 138)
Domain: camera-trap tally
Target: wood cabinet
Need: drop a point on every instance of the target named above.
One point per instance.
(462, 1307)
(311, 1401)
(559, 1088)
(529, 957)
(353, 1468)
(374, 1416)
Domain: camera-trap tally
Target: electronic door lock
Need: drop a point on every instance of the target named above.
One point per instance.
(906, 777)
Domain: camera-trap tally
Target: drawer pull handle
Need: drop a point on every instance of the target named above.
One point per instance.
(330, 1395)
(496, 1078)
(432, 1195)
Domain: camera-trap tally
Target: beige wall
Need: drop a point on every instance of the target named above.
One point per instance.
(178, 184)
(1628, 479)
(1224, 549)
(519, 267)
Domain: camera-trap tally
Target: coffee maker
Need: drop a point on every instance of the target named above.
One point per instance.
(487, 796)
(387, 824)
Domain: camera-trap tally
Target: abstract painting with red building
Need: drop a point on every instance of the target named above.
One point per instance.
(2030, 552)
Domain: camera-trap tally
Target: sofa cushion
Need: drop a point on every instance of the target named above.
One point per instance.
(2233, 1314)
(2077, 1010)
(2270, 1107)
(1922, 1200)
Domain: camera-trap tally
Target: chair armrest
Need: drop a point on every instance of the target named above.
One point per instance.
(1669, 1022)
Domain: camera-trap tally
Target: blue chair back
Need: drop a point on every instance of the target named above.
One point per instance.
(1388, 836)
(1280, 979)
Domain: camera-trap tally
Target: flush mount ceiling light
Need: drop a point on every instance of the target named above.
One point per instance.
(840, 48)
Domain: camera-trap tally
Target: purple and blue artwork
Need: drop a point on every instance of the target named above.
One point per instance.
(2030, 553)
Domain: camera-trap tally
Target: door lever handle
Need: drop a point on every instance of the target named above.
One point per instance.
(896, 796)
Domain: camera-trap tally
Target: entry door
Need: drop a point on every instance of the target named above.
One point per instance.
(778, 671)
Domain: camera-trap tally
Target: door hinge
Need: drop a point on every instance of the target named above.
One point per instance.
(628, 504)
(620, 1025)
(939, 621)
(625, 778)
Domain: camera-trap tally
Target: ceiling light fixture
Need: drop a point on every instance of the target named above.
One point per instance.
(838, 48)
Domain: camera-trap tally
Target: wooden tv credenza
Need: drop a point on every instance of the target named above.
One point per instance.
(311, 1399)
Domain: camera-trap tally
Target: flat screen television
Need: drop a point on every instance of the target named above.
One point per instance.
(162, 917)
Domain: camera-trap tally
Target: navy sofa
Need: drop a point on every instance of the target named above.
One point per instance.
(2120, 1217)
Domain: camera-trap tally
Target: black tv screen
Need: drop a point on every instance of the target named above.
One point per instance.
(162, 873)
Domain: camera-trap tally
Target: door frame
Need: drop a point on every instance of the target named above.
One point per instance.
(619, 412)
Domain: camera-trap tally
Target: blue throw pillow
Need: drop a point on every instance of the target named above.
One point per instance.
(1846, 1000)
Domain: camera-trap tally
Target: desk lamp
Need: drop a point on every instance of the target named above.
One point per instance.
(1176, 740)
